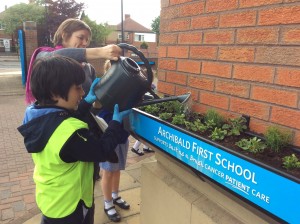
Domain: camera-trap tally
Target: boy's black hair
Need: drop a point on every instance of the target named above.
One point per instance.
(54, 76)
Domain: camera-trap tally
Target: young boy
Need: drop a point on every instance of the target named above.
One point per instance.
(62, 146)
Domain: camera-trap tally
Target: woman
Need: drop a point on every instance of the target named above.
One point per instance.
(70, 40)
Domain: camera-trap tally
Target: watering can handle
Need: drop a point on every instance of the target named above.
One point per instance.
(142, 57)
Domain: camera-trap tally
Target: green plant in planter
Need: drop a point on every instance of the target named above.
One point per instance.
(291, 162)
(276, 139)
(195, 126)
(165, 116)
(253, 145)
(151, 109)
(213, 119)
(178, 119)
(235, 126)
(218, 134)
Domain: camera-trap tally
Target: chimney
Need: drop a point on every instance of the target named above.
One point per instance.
(127, 16)
(5, 7)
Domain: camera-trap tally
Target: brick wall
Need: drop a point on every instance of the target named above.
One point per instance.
(237, 56)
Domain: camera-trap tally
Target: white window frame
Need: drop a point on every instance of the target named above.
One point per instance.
(139, 37)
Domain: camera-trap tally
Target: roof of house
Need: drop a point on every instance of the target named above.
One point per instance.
(129, 25)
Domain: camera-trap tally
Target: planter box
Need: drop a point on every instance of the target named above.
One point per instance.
(270, 190)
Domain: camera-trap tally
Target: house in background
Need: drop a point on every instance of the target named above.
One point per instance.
(134, 34)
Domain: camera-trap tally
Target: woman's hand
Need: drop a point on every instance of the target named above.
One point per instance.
(111, 52)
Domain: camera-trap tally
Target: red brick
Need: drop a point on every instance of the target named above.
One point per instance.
(282, 15)
(161, 75)
(254, 73)
(296, 140)
(286, 117)
(218, 37)
(288, 77)
(178, 52)
(169, 13)
(180, 90)
(202, 52)
(291, 36)
(258, 36)
(240, 54)
(164, 26)
(167, 39)
(216, 69)
(233, 88)
(201, 83)
(258, 126)
(239, 19)
(179, 25)
(191, 9)
(251, 108)
(215, 100)
(221, 5)
(190, 38)
(273, 95)
(278, 55)
(253, 3)
(175, 77)
(168, 64)
(167, 88)
(176, 2)
(203, 22)
(164, 3)
(199, 108)
(162, 52)
(189, 66)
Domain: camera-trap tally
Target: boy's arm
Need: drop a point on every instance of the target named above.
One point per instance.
(84, 147)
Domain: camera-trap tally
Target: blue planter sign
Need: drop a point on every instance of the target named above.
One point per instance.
(271, 191)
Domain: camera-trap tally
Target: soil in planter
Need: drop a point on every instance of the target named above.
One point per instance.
(268, 156)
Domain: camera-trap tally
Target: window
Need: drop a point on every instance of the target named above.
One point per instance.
(120, 36)
(1, 43)
(138, 37)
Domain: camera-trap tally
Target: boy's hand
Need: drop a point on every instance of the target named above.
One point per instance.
(118, 116)
(91, 97)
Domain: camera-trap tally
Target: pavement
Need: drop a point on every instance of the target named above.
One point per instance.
(17, 198)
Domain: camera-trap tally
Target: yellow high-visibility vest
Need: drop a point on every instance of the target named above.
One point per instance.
(60, 185)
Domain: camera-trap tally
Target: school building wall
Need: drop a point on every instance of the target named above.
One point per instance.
(237, 56)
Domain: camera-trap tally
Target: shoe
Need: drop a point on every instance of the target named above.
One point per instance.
(148, 150)
(123, 205)
(137, 152)
(115, 217)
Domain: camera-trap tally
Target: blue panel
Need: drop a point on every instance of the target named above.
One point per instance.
(22, 56)
(142, 63)
(270, 191)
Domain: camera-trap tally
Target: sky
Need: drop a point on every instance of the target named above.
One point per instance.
(141, 11)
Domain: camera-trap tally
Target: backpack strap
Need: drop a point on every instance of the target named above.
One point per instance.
(29, 98)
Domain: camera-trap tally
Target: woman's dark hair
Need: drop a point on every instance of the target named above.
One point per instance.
(54, 76)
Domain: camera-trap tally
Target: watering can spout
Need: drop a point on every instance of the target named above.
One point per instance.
(182, 99)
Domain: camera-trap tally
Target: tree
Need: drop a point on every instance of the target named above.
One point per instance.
(155, 27)
(14, 16)
(99, 31)
(60, 10)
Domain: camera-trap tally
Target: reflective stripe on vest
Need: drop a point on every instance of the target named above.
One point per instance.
(60, 185)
